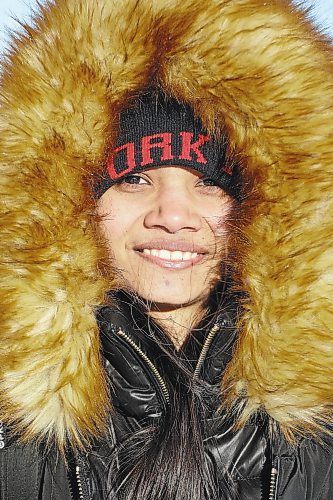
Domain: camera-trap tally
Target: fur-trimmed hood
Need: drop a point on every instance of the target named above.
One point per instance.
(256, 69)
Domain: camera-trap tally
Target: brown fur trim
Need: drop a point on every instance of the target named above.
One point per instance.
(255, 69)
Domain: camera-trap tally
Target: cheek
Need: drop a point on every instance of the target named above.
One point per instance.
(114, 224)
(108, 227)
(221, 222)
(219, 228)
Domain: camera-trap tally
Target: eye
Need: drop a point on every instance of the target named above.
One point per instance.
(132, 183)
(208, 184)
(133, 179)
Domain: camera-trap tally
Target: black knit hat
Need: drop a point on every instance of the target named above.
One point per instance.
(158, 131)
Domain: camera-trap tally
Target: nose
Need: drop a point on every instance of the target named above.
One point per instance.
(173, 211)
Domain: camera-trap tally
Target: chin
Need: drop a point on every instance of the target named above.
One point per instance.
(171, 298)
(169, 289)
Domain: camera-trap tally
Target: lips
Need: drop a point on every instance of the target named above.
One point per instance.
(171, 254)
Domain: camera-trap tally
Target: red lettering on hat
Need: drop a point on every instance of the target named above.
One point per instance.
(130, 160)
(188, 146)
(164, 143)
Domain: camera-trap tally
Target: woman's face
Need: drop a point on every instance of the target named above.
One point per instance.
(166, 229)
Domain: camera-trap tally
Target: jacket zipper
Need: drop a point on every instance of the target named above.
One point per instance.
(75, 484)
(205, 348)
(158, 377)
(79, 482)
(274, 480)
(2, 436)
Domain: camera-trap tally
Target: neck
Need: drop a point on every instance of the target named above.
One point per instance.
(177, 322)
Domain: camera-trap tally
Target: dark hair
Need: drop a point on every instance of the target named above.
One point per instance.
(168, 461)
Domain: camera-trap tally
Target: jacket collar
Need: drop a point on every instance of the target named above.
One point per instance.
(207, 350)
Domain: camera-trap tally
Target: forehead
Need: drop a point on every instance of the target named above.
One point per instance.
(172, 172)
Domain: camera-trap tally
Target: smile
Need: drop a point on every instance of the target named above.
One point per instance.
(170, 255)
(173, 260)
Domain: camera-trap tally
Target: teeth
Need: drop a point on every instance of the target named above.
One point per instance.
(164, 254)
(177, 255)
(167, 255)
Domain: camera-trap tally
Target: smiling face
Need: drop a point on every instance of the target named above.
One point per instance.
(167, 230)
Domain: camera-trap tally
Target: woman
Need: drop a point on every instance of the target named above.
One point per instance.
(166, 262)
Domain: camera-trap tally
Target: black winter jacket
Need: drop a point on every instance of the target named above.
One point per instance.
(259, 73)
(257, 466)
